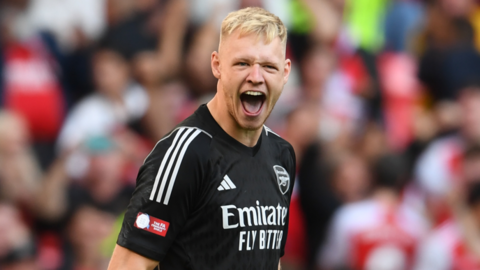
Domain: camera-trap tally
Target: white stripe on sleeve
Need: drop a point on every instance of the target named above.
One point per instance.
(164, 161)
(177, 166)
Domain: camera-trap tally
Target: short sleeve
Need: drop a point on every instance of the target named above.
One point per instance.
(291, 165)
(167, 188)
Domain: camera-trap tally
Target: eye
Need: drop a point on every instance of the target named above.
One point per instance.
(242, 64)
(271, 67)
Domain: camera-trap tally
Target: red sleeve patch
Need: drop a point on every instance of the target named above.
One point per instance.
(151, 224)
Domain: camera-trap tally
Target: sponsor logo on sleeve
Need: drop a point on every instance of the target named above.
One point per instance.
(151, 224)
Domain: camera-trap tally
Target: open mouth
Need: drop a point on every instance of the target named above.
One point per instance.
(252, 102)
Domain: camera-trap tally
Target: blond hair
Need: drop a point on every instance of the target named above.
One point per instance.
(254, 20)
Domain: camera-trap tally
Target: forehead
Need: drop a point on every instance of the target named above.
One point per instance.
(251, 45)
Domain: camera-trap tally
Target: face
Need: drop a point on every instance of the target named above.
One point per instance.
(251, 75)
(351, 179)
(470, 107)
(111, 73)
(14, 135)
(457, 8)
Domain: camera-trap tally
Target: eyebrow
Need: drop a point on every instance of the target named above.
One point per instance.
(248, 59)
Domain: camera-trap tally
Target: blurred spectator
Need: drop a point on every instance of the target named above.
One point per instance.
(156, 27)
(470, 164)
(400, 96)
(301, 130)
(449, 59)
(117, 103)
(87, 230)
(19, 171)
(350, 179)
(364, 23)
(327, 179)
(369, 78)
(327, 91)
(326, 83)
(455, 243)
(378, 233)
(77, 214)
(30, 83)
(438, 167)
(68, 20)
(17, 246)
(102, 181)
(403, 20)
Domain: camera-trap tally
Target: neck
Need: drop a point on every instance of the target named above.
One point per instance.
(220, 113)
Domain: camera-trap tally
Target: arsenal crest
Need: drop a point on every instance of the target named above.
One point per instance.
(283, 179)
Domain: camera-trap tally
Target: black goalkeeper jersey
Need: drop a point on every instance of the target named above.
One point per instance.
(205, 201)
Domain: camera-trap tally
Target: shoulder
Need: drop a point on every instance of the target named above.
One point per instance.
(184, 141)
(177, 164)
(278, 142)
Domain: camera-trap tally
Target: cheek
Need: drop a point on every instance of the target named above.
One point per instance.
(232, 84)
(275, 85)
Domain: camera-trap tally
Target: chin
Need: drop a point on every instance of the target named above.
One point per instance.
(251, 125)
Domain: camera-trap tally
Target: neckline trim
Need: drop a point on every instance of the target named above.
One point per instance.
(250, 151)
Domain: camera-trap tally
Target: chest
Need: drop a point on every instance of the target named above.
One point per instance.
(246, 200)
(257, 181)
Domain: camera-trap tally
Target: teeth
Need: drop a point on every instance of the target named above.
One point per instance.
(253, 93)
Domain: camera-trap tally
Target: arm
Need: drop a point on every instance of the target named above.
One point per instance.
(167, 187)
(328, 19)
(172, 33)
(52, 196)
(123, 258)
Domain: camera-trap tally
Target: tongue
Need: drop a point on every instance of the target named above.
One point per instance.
(251, 104)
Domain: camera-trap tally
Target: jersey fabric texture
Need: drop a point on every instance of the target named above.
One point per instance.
(203, 200)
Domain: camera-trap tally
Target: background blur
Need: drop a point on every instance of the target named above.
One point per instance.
(382, 108)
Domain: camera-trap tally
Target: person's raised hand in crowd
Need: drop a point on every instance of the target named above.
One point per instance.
(19, 171)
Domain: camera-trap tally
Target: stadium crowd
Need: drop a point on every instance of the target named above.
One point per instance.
(382, 108)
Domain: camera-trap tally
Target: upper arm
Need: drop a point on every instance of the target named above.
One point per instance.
(290, 164)
(167, 189)
(123, 258)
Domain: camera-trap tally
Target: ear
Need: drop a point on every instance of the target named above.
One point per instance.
(215, 63)
(286, 70)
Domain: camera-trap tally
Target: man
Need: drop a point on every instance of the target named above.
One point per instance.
(215, 192)
(454, 244)
(381, 232)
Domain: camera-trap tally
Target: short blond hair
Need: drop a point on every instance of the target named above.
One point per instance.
(254, 20)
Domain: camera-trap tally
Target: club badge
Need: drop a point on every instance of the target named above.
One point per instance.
(283, 179)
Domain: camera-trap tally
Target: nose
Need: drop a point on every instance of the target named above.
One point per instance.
(255, 76)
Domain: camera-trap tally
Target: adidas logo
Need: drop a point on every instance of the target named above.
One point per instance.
(226, 184)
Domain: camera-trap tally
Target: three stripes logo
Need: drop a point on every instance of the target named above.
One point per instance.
(226, 184)
(168, 170)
